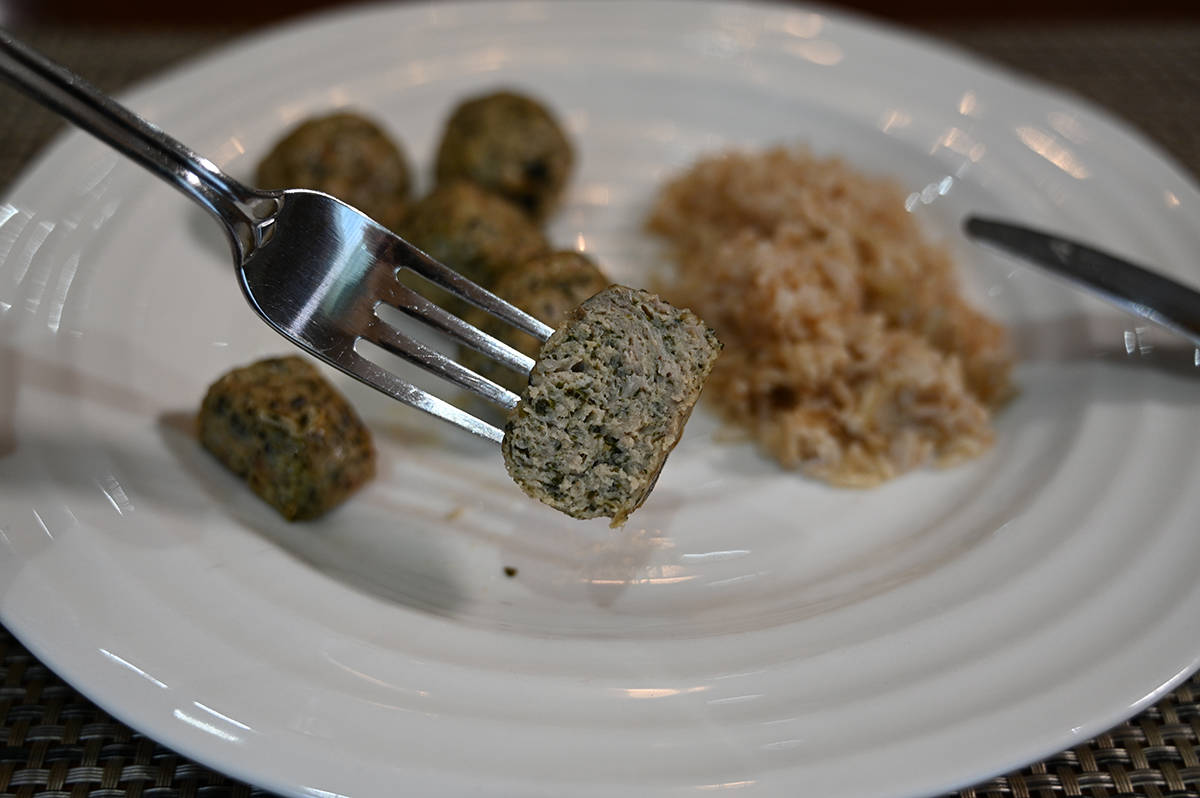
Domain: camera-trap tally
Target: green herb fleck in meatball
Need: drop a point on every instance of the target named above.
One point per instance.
(510, 144)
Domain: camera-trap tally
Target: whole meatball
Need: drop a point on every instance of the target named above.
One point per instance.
(478, 234)
(348, 156)
(509, 144)
(282, 427)
(547, 287)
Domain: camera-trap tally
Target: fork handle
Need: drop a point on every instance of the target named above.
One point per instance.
(70, 96)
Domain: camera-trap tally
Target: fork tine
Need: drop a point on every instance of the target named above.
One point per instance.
(418, 307)
(383, 380)
(382, 334)
(415, 260)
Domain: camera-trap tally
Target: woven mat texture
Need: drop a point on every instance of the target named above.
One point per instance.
(54, 743)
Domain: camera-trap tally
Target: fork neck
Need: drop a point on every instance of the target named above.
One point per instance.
(244, 213)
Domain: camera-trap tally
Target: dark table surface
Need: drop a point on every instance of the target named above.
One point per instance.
(54, 743)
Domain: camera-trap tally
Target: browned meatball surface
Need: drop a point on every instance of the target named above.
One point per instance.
(297, 442)
(348, 156)
(478, 234)
(510, 144)
(550, 286)
(547, 287)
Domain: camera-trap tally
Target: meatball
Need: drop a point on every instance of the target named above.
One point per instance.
(478, 234)
(345, 155)
(549, 286)
(509, 144)
(282, 427)
(606, 403)
(546, 287)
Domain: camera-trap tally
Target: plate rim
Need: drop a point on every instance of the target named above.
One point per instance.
(215, 56)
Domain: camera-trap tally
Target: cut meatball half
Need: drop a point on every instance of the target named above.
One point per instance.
(607, 402)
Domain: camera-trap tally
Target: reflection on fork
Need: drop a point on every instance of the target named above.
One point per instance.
(315, 269)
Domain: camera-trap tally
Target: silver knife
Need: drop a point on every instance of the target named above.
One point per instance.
(1130, 287)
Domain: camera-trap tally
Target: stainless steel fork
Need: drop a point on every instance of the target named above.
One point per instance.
(312, 267)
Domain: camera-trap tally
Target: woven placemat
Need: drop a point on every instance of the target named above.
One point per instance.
(57, 744)
(1148, 76)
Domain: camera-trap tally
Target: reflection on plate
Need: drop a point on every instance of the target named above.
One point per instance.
(749, 630)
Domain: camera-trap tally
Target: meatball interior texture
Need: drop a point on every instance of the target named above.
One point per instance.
(478, 234)
(510, 144)
(348, 156)
(278, 424)
(607, 402)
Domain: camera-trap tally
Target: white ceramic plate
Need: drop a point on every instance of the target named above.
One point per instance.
(749, 630)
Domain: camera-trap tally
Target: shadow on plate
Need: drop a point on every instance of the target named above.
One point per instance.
(371, 551)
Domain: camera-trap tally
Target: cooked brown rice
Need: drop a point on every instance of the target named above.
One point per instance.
(849, 352)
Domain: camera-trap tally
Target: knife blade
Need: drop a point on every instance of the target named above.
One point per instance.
(1133, 288)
